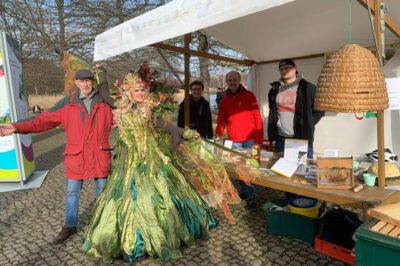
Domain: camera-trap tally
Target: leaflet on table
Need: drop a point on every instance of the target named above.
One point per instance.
(285, 167)
(330, 153)
(296, 150)
(392, 187)
(311, 170)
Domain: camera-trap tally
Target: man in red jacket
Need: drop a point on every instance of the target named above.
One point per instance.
(240, 115)
(87, 122)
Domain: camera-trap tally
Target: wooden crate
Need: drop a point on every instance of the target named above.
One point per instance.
(388, 213)
(335, 172)
(386, 228)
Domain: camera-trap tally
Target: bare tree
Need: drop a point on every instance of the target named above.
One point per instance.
(204, 73)
(47, 28)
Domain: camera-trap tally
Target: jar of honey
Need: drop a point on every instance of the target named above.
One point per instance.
(255, 152)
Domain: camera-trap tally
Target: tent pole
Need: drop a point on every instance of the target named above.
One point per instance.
(380, 118)
(187, 38)
(169, 47)
(390, 24)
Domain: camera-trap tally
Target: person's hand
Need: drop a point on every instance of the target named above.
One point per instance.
(6, 129)
(196, 135)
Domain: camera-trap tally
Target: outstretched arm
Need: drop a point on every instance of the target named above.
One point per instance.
(102, 86)
(177, 133)
(7, 129)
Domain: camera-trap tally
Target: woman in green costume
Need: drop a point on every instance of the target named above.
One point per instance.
(148, 205)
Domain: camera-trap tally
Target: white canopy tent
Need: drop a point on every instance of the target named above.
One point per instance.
(266, 31)
(172, 20)
(262, 30)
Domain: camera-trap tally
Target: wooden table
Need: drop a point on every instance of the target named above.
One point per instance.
(366, 198)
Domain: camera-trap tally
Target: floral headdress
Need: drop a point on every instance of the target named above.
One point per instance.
(131, 81)
(125, 101)
(147, 76)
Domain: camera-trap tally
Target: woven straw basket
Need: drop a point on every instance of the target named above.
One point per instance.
(351, 81)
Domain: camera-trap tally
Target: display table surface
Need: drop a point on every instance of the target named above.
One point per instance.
(365, 199)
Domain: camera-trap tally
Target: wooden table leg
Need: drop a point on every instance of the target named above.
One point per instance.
(365, 208)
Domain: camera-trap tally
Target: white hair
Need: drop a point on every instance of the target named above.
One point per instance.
(233, 72)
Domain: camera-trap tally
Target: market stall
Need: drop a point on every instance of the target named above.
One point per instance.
(307, 30)
(267, 31)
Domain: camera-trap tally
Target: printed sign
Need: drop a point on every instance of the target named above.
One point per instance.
(393, 87)
(16, 151)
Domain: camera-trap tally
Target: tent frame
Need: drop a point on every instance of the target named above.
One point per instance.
(374, 5)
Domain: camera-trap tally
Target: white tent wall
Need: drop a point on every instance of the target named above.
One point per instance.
(392, 70)
(340, 131)
(265, 30)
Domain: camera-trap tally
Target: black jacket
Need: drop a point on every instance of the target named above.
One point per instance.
(200, 117)
(305, 118)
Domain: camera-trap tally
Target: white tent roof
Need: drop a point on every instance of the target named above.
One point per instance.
(172, 20)
(260, 29)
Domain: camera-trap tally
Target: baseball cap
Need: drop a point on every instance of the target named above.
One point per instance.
(84, 74)
(286, 62)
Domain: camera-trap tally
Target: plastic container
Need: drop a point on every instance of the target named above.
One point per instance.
(334, 251)
(356, 164)
(304, 205)
(285, 223)
(369, 179)
(376, 249)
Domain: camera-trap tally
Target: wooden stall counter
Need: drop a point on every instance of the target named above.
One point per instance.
(366, 198)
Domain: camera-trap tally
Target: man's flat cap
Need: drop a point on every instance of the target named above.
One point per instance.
(84, 74)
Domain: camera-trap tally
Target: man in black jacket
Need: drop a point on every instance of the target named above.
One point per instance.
(291, 104)
(200, 112)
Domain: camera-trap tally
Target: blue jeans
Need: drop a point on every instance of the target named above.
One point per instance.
(72, 198)
(246, 192)
(280, 147)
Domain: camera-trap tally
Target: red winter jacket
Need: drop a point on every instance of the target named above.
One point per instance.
(241, 115)
(87, 151)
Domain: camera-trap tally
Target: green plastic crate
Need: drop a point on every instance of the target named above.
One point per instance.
(286, 223)
(375, 249)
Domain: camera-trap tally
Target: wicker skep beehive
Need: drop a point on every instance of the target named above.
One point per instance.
(351, 81)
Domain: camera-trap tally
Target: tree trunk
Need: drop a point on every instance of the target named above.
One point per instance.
(61, 22)
(204, 73)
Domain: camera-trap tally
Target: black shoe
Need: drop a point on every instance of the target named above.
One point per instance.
(64, 234)
(251, 204)
(125, 258)
(141, 258)
(243, 196)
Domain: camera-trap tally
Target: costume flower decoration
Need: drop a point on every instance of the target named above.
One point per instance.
(147, 76)
(131, 81)
(160, 98)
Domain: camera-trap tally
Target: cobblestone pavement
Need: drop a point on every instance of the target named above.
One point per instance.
(29, 219)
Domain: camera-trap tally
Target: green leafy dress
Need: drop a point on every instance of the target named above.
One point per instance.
(147, 205)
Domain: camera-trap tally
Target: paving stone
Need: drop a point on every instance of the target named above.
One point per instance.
(322, 262)
(257, 263)
(30, 219)
(280, 262)
(278, 249)
(272, 255)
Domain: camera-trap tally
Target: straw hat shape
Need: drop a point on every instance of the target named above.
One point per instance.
(351, 81)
